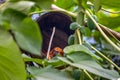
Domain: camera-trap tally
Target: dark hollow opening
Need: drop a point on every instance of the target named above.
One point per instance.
(61, 22)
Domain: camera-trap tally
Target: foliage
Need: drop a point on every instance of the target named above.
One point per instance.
(81, 61)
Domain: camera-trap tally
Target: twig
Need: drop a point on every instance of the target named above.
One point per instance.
(79, 36)
(105, 58)
(110, 32)
(54, 7)
(118, 12)
(101, 31)
(50, 42)
(88, 74)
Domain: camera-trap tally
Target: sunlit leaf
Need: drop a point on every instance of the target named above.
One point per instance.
(109, 4)
(61, 3)
(111, 21)
(11, 64)
(44, 4)
(20, 6)
(97, 5)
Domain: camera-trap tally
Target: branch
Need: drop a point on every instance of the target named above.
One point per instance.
(105, 29)
(101, 31)
(50, 42)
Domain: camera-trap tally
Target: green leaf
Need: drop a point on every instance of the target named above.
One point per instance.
(80, 48)
(92, 67)
(49, 73)
(22, 6)
(29, 59)
(61, 3)
(97, 5)
(79, 56)
(90, 23)
(55, 62)
(109, 4)
(26, 31)
(108, 49)
(80, 18)
(11, 17)
(44, 4)
(74, 25)
(71, 39)
(109, 20)
(28, 36)
(11, 64)
(79, 74)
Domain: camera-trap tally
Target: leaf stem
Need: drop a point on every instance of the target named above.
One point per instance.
(109, 32)
(88, 74)
(50, 42)
(106, 58)
(118, 12)
(79, 36)
(64, 11)
(104, 35)
(80, 42)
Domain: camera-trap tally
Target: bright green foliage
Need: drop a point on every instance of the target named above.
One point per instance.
(11, 63)
(97, 4)
(61, 3)
(81, 61)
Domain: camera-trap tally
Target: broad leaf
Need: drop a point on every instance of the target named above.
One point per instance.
(26, 31)
(44, 4)
(61, 3)
(11, 64)
(97, 5)
(22, 6)
(49, 73)
(91, 66)
(109, 20)
(28, 36)
(109, 4)
(80, 48)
